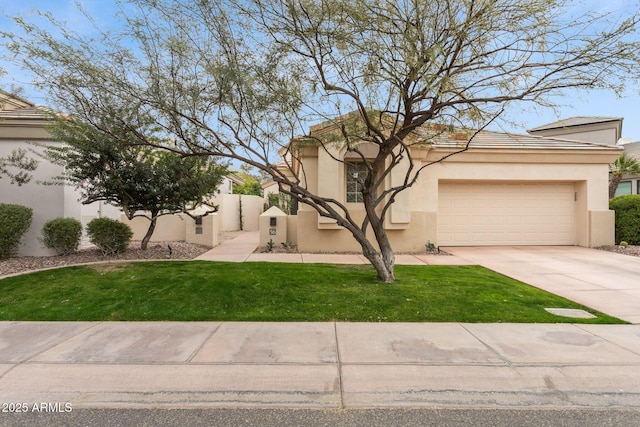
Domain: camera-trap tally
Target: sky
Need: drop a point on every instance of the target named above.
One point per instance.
(571, 104)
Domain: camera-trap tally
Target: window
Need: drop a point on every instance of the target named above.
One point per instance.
(624, 188)
(356, 171)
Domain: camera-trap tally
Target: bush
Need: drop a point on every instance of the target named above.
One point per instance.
(627, 218)
(110, 236)
(15, 220)
(62, 235)
(282, 201)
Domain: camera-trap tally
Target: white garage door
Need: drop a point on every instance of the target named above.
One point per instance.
(471, 214)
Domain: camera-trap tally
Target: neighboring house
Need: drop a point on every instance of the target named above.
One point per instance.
(23, 125)
(226, 186)
(596, 129)
(269, 186)
(630, 184)
(601, 130)
(506, 189)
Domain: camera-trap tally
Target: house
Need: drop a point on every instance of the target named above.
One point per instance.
(23, 125)
(601, 130)
(226, 186)
(546, 188)
(630, 184)
(596, 129)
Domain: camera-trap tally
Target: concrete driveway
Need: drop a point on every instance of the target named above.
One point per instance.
(605, 281)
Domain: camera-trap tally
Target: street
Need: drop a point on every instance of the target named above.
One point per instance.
(441, 417)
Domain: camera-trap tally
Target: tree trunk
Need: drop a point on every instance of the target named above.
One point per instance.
(147, 237)
(614, 182)
(383, 261)
(384, 269)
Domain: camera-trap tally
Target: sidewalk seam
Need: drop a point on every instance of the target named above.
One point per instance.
(579, 326)
(339, 366)
(29, 360)
(506, 361)
(202, 344)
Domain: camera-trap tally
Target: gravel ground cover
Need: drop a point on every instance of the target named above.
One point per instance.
(155, 251)
(626, 250)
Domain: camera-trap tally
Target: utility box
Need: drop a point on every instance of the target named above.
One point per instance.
(273, 226)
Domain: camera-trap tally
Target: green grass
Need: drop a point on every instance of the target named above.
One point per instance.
(191, 291)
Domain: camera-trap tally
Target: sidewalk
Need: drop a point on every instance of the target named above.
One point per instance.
(242, 248)
(319, 365)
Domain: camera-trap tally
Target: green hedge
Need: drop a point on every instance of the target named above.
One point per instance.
(15, 220)
(62, 235)
(110, 236)
(627, 218)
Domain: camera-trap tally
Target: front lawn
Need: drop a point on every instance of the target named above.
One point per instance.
(207, 291)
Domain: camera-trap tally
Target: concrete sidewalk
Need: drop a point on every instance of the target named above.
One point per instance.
(242, 248)
(319, 365)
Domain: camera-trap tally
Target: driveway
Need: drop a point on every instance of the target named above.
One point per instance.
(605, 281)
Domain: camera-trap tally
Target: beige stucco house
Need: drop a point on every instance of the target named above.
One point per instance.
(23, 125)
(545, 188)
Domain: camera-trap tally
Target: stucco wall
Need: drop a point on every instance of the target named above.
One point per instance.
(273, 227)
(292, 229)
(47, 202)
(168, 227)
(229, 211)
(205, 234)
(409, 240)
(177, 228)
(588, 172)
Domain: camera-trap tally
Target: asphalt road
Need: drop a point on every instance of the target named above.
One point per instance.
(445, 417)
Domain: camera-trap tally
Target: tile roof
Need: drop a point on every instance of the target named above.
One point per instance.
(26, 113)
(14, 107)
(575, 121)
(632, 148)
(498, 140)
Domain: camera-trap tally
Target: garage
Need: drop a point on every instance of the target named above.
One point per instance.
(490, 213)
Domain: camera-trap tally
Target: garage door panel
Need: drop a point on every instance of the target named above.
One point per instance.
(506, 214)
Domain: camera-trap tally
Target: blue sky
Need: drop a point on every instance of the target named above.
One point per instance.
(572, 104)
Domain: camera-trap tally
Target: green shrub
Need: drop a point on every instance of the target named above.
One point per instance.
(282, 201)
(62, 235)
(15, 220)
(109, 235)
(627, 218)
